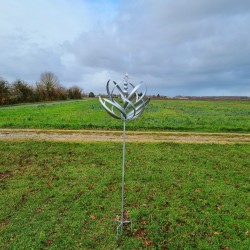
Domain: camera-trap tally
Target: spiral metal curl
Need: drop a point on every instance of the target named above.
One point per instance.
(133, 103)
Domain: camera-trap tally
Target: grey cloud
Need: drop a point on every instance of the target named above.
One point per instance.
(176, 47)
(178, 43)
(28, 59)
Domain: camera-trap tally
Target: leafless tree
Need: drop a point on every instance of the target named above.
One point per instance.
(21, 91)
(75, 92)
(49, 86)
(4, 91)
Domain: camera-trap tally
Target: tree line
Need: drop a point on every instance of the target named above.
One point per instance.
(48, 88)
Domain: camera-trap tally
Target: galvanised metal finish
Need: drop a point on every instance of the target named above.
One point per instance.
(133, 104)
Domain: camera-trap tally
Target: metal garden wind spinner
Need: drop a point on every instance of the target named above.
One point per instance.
(131, 105)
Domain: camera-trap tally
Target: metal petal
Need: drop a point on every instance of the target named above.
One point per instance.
(133, 103)
(134, 91)
(116, 105)
(111, 112)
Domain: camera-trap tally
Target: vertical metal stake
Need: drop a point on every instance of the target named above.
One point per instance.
(123, 221)
(123, 167)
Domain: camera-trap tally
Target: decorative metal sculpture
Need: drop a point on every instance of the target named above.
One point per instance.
(132, 105)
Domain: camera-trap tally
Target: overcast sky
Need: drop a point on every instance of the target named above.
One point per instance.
(176, 47)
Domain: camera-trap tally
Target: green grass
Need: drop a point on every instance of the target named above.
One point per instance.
(171, 115)
(179, 196)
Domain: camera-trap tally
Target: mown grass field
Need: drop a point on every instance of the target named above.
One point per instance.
(179, 196)
(171, 115)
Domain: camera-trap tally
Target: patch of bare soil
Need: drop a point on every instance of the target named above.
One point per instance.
(5, 174)
(131, 136)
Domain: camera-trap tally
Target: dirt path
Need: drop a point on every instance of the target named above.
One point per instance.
(131, 136)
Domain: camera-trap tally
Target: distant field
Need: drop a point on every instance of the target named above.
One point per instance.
(171, 115)
(66, 196)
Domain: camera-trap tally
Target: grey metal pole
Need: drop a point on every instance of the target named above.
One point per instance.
(123, 170)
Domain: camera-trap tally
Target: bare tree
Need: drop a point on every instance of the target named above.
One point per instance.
(61, 93)
(21, 91)
(48, 86)
(4, 91)
(75, 92)
(49, 78)
(40, 92)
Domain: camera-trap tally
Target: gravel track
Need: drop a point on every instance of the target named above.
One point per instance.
(131, 136)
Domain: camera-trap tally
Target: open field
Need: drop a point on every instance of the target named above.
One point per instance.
(60, 175)
(170, 115)
(67, 195)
